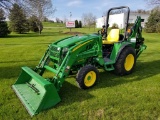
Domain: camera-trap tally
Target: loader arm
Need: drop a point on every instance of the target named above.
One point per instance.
(76, 57)
(38, 93)
(82, 55)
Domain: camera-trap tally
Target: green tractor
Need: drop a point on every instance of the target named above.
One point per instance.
(83, 55)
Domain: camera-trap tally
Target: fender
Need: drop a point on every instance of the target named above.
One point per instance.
(121, 49)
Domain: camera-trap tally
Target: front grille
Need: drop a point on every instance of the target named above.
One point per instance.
(53, 48)
(54, 54)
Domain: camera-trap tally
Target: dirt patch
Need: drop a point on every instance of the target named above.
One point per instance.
(74, 33)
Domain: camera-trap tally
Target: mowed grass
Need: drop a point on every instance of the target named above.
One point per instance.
(51, 24)
(135, 96)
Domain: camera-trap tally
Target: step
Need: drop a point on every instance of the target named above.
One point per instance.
(108, 61)
(108, 64)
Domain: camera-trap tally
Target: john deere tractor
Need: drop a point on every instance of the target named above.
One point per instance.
(82, 55)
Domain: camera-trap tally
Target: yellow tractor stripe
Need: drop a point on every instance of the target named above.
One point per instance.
(80, 45)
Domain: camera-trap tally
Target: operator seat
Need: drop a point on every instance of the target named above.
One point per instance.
(112, 37)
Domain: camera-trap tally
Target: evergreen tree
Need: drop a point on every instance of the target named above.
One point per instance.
(76, 24)
(153, 21)
(3, 25)
(45, 19)
(158, 27)
(33, 21)
(18, 20)
(39, 8)
(80, 24)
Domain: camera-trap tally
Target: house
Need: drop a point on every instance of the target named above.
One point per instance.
(120, 19)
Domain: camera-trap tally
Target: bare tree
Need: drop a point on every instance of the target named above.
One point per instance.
(104, 15)
(84, 21)
(94, 22)
(65, 19)
(89, 19)
(39, 8)
(154, 2)
(141, 11)
(5, 4)
(58, 20)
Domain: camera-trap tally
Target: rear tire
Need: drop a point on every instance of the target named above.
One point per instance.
(125, 62)
(87, 76)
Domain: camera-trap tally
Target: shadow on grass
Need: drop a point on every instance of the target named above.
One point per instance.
(70, 93)
(8, 72)
(142, 70)
(107, 79)
(47, 43)
(35, 35)
(16, 61)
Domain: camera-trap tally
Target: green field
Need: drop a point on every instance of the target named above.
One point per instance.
(51, 24)
(131, 97)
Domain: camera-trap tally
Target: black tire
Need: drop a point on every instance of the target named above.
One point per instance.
(87, 76)
(125, 62)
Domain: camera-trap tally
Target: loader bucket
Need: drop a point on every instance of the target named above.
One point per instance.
(35, 92)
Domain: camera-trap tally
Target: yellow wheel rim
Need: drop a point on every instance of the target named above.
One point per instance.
(129, 62)
(90, 78)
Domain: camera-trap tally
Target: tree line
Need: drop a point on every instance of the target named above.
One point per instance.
(24, 15)
(18, 22)
(153, 23)
(78, 24)
(27, 15)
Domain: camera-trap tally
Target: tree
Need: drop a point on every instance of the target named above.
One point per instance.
(104, 14)
(80, 24)
(141, 11)
(158, 27)
(33, 21)
(89, 19)
(58, 20)
(76, 24)
(45, 19)
(94, 22)
(39, 8)
(3, 25)
(5, 4)
(114, 26)
(18, 20)
(153, 21)
(154, 2)
(65, 19)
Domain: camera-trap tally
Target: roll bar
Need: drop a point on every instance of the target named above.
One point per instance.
(114, 8)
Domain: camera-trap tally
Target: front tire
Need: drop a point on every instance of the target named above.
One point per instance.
(125, 62)
(87, 76)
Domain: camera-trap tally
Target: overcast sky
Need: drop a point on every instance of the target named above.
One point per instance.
(96, 7)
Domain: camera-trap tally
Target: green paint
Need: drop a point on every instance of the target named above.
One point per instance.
(71, 53)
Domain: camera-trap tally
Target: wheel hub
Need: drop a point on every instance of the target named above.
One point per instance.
(90, 78)
(129, 62)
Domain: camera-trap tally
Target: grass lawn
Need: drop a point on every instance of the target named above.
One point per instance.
(51, 24)
(135, 96)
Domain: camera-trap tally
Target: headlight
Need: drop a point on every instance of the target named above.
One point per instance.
(58, 48)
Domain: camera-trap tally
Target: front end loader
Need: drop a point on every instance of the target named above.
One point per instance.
(82, 55)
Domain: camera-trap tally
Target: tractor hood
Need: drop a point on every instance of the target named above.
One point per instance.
(74, 39)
